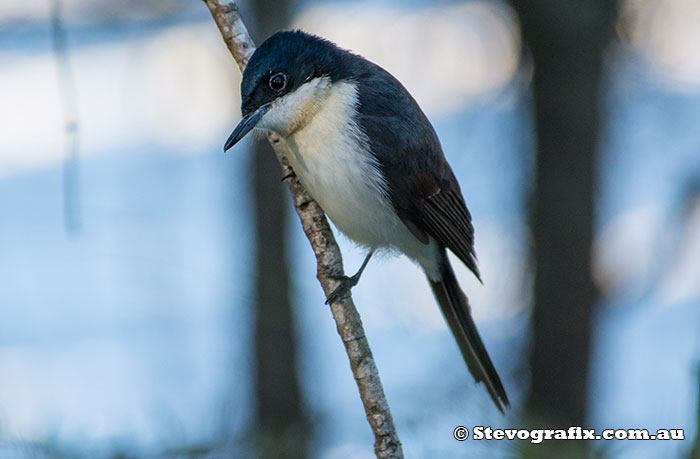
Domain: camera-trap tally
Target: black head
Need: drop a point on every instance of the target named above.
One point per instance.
(278, 67)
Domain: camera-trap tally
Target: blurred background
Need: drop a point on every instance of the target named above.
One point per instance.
(158, 298)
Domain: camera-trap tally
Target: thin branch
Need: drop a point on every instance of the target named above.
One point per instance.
(71, 204)
(328, 258)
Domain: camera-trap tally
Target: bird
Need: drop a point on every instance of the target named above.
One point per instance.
(364, 150)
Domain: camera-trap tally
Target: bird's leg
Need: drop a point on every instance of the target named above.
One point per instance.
(347, 283)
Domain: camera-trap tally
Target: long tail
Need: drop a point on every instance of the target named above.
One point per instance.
(455, 308)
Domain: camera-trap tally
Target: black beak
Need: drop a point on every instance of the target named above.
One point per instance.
(246, 125)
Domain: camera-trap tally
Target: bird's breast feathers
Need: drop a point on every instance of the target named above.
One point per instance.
(330, 155)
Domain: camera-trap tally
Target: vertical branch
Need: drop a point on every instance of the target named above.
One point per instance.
(328, 258)
(71, 208)
(282, 428)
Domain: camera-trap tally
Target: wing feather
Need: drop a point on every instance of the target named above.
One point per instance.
(420, 182)
(446, 218)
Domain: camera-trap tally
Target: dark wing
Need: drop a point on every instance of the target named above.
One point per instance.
(422, 186)
(446, 218)
(427, 198)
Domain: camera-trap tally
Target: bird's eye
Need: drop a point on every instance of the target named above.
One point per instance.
(278, 81)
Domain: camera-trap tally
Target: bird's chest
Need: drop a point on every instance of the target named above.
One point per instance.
(332, 161)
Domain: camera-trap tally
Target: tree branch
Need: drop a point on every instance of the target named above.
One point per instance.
(328, 258)
(66, 81)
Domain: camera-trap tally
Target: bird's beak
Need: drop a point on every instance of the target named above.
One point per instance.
(246, 125)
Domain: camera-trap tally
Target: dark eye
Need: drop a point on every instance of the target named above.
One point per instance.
(278, 81)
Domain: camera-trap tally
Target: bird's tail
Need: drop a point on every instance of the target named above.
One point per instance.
(455, 307)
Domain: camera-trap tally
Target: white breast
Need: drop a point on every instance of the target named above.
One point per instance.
(330, 156)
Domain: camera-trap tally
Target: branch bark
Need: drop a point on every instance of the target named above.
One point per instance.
(328, 258)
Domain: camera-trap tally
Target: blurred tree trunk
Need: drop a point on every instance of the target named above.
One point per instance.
(567, 39)
(282, 427)
(694, 452)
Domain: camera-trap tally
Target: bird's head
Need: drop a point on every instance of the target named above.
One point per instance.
(285, 83)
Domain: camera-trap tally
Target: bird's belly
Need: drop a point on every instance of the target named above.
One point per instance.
(331, 157)
(346, 183)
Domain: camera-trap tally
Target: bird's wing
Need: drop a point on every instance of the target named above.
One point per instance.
(433, 205)
(420, 182)
(445, 217)
(427, 198)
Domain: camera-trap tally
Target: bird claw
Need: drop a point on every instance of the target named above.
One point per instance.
(343, 290)
(346, 283)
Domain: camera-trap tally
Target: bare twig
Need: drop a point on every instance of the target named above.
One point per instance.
(328, 258)
(71, 204)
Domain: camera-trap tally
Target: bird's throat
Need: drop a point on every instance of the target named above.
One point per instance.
(295, 110)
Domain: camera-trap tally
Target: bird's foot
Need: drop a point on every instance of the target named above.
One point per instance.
(347, 283)
(343, 290)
